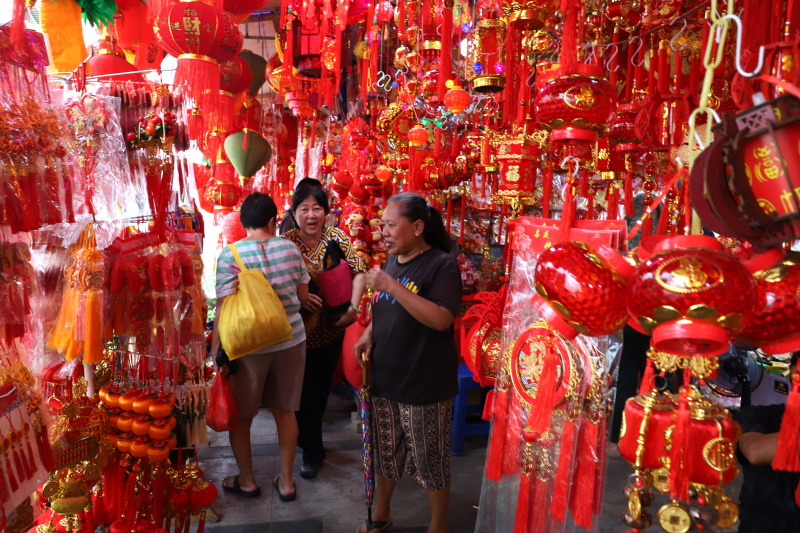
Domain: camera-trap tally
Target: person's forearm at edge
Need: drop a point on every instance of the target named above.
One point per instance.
(359, 286)
(215, 340)
(302, 293)
(759, 448)
(425, 311)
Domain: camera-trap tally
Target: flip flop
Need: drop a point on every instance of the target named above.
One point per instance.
(381, 526)
(284, 497)
(236, 489)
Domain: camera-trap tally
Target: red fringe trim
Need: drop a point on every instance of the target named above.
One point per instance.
(547, 190)
(487, 406)
(538, 519)
(523, 505)
(494, 456)
(679, 461)
(585, 477)
(568, 213)
(787, 454)
(558, 507)
(629, 209)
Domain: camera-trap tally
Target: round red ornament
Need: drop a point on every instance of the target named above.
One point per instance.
(417, 136)
(456, 99)
(773, 326)
(582, 287)
(643, 434)
(691, 296)
(576, 108)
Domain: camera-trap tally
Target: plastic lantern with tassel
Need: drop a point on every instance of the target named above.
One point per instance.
(131, 28)
(485, 342)
(202, 494)
(248, 152)
(585, 287)
(683, 296)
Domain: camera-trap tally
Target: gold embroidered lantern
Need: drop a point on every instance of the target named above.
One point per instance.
(486, 51)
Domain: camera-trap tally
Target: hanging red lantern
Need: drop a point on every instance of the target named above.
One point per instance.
(232, 228)
(131, 28)
(486, 52)
(456, 99)
(235, 75)
(417, 136)
(773, 327)
(200, 36)
(108, 58)
(313, 47)
(584, 287)
(384, 173)
(643, 435)
(681, 295)
(576, 108)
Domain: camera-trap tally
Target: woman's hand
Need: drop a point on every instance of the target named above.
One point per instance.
(378, 280)
(347, 318)
(363, 348)
(314, 303)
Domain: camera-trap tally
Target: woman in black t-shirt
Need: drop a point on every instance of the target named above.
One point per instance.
(414, 361)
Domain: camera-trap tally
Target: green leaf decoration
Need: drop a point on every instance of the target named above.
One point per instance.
(98, 12)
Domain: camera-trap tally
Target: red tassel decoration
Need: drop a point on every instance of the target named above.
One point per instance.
(31, 458)
(288, 54)
(547, 190)
(542, 407)
(522, 514)
(585, 477)
(487, 406)
(787, 454)
(510, 94)
(647, 377)
(558, 507)
(446, 62)
(461, 229)
(612, 207)
(600, 467)
(584, 184)
(494, 456)
(629, 208)
(536, 523)
(513, 440)
(568, 212)
(401, 20)
(679, 468)
(12, 481)
(647, 219)
(569, 42)
(449, 211)
(45, 452)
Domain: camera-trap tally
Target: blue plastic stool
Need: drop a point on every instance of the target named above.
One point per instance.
(460, 427)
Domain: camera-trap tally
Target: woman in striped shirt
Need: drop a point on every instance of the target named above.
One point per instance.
(272, 377)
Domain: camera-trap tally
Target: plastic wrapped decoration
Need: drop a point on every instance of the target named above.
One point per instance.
(541, 478)
(16, 278)
(98, 149)
(80, 326)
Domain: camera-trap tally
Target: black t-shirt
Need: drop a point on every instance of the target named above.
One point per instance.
(767, 499)
(413, 363)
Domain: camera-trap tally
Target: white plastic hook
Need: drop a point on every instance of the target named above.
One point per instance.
(736, 20)
(565, 165)
(529, 82)
(636, 52)
(615, 54)
(672, 41)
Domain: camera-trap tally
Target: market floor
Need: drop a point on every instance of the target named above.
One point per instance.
(334, 501)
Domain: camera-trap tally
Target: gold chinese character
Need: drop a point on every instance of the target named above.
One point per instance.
(191, 25)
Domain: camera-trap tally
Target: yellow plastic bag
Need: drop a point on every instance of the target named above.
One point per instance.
(252, 318)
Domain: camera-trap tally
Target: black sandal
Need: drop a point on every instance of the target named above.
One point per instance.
(236, 489)
(380, 525)
(284, 497)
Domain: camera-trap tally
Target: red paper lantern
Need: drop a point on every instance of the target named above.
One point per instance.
(456, 99)
(384, 12)
(691, 296)
(232, 228)
(313, 47)
(585, 289)
(577, 107)
(417, 136)
(383, 173)
(517, 156)
(486, 52)
(242, 8)
(773, 327)
(712, 443)
(235, 75)
(224, 195)
(131, 28)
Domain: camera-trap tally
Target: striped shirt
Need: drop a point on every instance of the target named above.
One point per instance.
(283, 267)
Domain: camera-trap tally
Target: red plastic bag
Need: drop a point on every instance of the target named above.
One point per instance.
(352, 370)
(221, 415)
